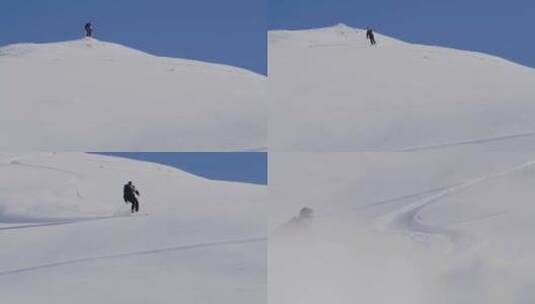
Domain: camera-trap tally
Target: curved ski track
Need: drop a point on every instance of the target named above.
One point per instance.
(408, 219)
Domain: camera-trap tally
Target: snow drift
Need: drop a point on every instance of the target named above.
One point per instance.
(67, 235)
(420, 227)
(91, 95)
(331, 91)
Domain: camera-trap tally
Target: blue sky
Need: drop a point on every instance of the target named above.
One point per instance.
(499, 27)
(248, 167)
(230, 32)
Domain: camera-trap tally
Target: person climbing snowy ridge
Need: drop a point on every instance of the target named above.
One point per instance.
(88, 30)
(370, 35)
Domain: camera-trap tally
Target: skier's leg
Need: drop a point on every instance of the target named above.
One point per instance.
(132, 207)
(136, 205)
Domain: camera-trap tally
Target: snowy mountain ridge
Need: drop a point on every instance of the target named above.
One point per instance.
(106, 51)
(339, 35)
(331, 90)
(90, 95)
(62, 216)
(344, 35)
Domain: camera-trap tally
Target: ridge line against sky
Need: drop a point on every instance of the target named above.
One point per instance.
(245, 167)
(229, 32)
(500, 28)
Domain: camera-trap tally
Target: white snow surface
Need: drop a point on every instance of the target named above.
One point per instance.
(331, 91)
(91, 95)
(446, 227)
(67, 236)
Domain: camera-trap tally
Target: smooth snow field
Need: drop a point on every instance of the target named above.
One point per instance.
(67, 236)
(423, 227)
(331, 91)
(91, 95)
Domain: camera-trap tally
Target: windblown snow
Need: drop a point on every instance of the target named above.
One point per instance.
(91, 95)
(68, 237)
(331, 91)
(411, 228)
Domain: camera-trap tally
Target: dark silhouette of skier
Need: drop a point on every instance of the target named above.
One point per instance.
(370, 36)
(297, 224)
(88, 30)
(129, 195)
(305, 215)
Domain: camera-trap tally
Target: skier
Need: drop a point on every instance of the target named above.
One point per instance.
(129, 195)
(305, 215)
(88, 29)
(297, 224)
(370, 36)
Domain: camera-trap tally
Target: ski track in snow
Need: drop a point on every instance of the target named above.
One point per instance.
(408, 196)
(21, 164)
(467, 142)
(382, 203)
(66, 222)
(408, 219)
(219, 243)
(50, 222)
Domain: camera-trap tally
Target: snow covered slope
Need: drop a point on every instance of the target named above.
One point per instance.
(91, 95)
(67, 237)
(420, 227)
(331, 91)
